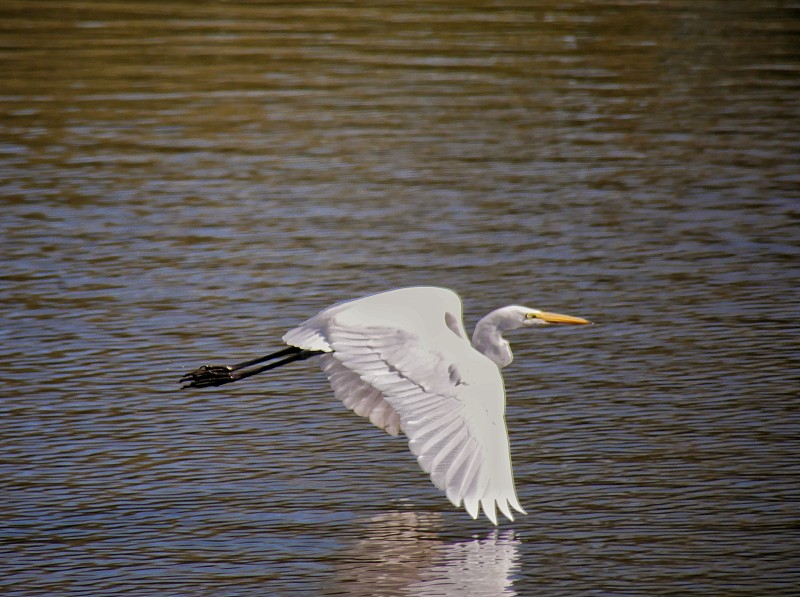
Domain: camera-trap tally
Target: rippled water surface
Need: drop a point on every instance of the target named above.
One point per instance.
(181, 182)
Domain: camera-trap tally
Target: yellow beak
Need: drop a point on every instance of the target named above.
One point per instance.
(558, 318)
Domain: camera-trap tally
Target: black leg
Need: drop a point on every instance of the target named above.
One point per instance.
(217, 375)
(299, 356)
(269, 357)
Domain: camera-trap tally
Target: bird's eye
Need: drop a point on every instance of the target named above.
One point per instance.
(530, 315)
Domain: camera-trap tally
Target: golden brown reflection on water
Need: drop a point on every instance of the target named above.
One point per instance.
(181, 182)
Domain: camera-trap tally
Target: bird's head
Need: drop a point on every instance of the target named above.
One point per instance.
(488, 336)
(530, 317)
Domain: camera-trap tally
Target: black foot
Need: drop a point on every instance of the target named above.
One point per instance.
(208, 376)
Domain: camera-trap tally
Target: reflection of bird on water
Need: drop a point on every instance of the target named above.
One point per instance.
(403, 359)
(402, 553)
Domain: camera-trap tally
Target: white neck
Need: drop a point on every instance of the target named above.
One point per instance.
(488, 336)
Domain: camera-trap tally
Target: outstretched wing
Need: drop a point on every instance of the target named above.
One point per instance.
(408, 348)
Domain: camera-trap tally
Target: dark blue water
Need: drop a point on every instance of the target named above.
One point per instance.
(183, 182)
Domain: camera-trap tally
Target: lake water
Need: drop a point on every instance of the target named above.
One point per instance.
(181, 182)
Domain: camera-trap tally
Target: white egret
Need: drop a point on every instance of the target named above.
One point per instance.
(403, 359)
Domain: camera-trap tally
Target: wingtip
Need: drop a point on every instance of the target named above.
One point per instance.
(472, 507)
(503, 505)
(489, 510)
(453, 496)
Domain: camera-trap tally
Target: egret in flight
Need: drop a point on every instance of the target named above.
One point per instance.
(403, 360)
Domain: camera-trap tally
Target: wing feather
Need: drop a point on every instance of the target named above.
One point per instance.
(435, 432)
(359, 396)
(463, 472)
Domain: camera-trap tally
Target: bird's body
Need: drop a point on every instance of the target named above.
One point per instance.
(403, 359)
